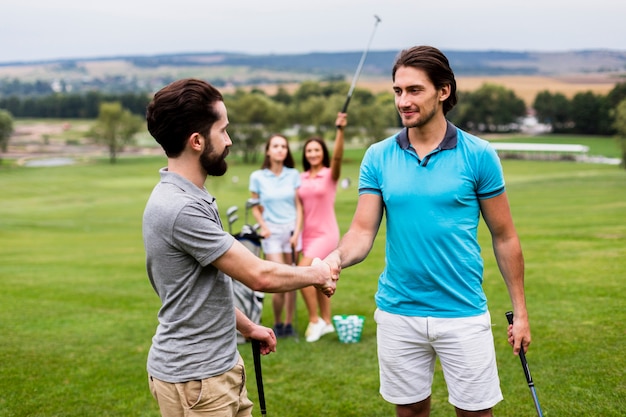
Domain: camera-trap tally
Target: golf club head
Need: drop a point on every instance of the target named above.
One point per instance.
(232, 219)
(252, 202)
(231, 210)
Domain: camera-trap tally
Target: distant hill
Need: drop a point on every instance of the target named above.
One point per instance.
(466, 63)
(132, 73)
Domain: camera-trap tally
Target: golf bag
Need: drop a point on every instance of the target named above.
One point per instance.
(248, 301)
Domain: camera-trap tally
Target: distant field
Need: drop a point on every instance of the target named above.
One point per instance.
(525, 87)
(46, 138)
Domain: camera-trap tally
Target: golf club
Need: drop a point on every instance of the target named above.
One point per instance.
(529, 378)
(232, 219)
(251, 202)
(256, 355)
(295, 298)
(230, 213)
(360, 67)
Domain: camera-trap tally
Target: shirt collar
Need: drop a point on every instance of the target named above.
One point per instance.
(269, 173)
(185, 185)
(307, 174)
(449, 140)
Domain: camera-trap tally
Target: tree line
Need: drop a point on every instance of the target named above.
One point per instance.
(311, 110)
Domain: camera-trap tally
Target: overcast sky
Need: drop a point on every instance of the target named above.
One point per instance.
(52, 29)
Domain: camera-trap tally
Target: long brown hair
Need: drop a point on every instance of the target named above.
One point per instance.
(289, 161)
(325, 160)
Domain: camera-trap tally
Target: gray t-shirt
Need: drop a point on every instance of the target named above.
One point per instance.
(183, 234)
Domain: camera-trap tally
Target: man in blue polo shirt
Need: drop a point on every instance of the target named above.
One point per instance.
(433, 181)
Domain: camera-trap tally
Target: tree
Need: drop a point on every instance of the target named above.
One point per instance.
(371, 119)
(253, 118)
(282, 96)
(616, 95)
(553, 109)
(590, 114)
(6, 129)
(115, 127)
(619, 124)
(491, 108)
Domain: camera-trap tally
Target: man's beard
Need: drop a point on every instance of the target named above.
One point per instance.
(214, 165)
(422, 121)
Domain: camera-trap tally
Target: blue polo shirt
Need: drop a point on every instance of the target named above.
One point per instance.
(433, 262)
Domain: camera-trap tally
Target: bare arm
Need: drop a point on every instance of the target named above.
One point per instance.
(251, 330)
(358, 240)
(257, 213)
(508, 253)
(261, 275)
(335, 164)
(299, 220)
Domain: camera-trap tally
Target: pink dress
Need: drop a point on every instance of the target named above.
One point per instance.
(320, 234)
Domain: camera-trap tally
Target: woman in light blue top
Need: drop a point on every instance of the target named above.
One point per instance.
(279, 216)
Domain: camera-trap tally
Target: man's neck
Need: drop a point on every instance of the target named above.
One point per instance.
(426, 138)
(187, 170)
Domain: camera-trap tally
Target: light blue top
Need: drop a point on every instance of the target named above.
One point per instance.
(277, 194)
(433, 262)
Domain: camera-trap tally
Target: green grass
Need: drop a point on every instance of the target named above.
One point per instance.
(598, 145)
(77, 312)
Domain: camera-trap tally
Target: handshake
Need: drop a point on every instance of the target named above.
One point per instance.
(327, 272)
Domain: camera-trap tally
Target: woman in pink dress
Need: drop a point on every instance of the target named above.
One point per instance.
(320, 233)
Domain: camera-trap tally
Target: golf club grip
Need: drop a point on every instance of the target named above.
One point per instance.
(522, 355)
(509, 316)
(529, 378)
(256, 356)
(345, 106)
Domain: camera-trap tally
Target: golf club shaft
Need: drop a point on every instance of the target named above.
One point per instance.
(529, 378)
(294, 262)
(359, 67)
(256, 355)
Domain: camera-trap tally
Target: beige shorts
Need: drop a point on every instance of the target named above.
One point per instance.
(221, 396)
(409, 346)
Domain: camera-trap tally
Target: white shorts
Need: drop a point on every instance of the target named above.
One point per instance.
(278, 240)
(409, 346)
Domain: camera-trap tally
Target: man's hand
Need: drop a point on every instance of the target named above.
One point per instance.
(518, 334)
(334, 262)
(266, 336)
(330, 285)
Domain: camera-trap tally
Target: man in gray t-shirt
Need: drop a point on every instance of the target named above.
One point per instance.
(193, 365)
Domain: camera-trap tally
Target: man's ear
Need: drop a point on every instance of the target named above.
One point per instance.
(196, 142)
(444, 92)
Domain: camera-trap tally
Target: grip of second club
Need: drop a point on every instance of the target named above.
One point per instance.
(522, 355)
(345, 105)
(509, 316)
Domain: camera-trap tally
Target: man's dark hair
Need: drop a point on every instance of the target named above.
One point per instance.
(289, 162)
(180, 109)
(306, 165)
(435, 64)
